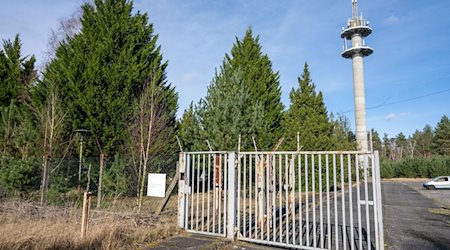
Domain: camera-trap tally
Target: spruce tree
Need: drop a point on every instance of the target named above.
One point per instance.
(263, 85)
(441, 139)
(228, 112)
(190, 130)
(307, 115)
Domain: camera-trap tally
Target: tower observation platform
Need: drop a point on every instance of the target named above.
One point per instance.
(359, 28)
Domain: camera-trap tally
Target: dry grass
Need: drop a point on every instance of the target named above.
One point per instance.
(27, 226)
(442, 210)
(406, 179)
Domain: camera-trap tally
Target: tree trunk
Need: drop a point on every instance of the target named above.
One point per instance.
(100, 177)
(44, 181)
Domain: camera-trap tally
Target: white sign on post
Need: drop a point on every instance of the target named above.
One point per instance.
(156, 185)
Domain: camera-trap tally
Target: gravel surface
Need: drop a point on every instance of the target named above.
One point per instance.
(441, 196)
(409, 220)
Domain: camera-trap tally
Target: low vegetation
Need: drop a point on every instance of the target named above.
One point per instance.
(417, 167)
(24, 225)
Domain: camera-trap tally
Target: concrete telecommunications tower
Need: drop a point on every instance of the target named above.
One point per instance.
(358, 28)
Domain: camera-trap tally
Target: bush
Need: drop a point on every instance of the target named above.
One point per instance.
(415, 167)
(19, 175)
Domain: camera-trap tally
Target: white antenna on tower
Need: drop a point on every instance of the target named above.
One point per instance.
(355, 8)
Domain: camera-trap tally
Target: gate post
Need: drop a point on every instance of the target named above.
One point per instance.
(379, 207)
(231, 217)
(181, 188)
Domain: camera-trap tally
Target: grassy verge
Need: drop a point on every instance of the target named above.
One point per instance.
(24, 225)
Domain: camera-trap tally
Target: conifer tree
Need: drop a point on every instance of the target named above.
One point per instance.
(190, 130)
(424, 140)
(16, 73)
(102, 70)
(441, 139)
(376, 140)
(228, 112)
(112, 78)
(263, 85)
(18, 133)
(307, 115)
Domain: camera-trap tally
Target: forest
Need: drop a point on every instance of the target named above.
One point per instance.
(101, 114)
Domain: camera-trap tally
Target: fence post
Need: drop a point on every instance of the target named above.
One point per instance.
(181, 196)
(231, 219)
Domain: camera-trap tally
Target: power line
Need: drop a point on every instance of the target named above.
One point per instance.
(403, 100)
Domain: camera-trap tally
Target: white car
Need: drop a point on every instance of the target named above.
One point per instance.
(438, 182)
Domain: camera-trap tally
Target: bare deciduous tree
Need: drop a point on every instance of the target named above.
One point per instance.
(149, 130)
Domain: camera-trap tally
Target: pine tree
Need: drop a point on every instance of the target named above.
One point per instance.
(262, 83)
(441, 139)
(307, 115)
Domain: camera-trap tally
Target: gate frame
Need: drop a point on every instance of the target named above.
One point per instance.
(231, 216)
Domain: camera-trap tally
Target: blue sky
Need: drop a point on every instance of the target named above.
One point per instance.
(407, 78)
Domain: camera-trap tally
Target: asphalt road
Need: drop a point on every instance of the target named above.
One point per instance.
(408, 220)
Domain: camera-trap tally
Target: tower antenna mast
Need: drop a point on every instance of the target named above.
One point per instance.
(356, 49)
(355, 8)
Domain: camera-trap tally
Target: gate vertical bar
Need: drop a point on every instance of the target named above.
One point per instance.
(313, 204)
(209, 191)
(328, 202)
(374, 198)
(181, 195)
(225, 192)
(366, 200)
(358, 201)
(238, 193)
(250, 174)
(189, 175)
(336, 215)
(344, 233)
(203, 193)
(350, 201)
(378, 197)
(231, 196)
(197, 167)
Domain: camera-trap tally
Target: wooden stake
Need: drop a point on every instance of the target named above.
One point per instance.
(85, 213)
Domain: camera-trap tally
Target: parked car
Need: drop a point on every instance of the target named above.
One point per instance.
(438, 182)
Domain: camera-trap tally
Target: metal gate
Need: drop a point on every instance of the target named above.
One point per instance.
(303, 200)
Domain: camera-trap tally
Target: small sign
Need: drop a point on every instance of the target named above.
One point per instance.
(156, 185)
